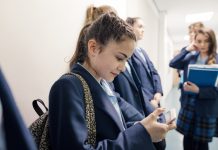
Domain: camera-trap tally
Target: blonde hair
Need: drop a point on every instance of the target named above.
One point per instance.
(92, 12)
(195, 26)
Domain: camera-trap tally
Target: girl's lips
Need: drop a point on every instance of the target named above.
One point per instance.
(115, 74)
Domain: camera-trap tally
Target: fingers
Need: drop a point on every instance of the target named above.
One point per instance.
(157, 112)
(154, 103)
(171, 126)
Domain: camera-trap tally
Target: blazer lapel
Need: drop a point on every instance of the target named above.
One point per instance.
(194, 58)
(137, 55)
(130, 79)
(103, 103)
(148, 65)
(100, 98)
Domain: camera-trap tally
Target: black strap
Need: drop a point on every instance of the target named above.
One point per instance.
(37, 108)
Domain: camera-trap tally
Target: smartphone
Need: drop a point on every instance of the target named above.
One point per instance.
(170, 116)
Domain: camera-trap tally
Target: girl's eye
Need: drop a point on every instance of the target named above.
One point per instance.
(120, 58)
(198, 41)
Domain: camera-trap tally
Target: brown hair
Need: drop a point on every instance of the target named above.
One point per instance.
(107, 27)
(92, 12)
(212, 44)
(132, 20)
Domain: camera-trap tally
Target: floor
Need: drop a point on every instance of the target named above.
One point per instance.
(173, 138)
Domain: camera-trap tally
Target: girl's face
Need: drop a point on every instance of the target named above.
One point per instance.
(202, 42)
(138, 28)
(107, 62)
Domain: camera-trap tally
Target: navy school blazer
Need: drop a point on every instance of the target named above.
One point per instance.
(150, 79)
(131, 90)
(17, 135)
(67, 117)
(207, 99)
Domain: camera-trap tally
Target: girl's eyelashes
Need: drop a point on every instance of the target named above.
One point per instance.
(120, 58)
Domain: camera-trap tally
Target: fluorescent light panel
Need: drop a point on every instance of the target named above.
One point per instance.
(206, 16)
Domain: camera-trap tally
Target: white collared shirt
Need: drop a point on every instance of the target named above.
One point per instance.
(112, 97)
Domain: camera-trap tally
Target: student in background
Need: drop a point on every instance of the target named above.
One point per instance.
(147, 74)
(101, 53)
(192, 29)
(92, 12)
(196, 122)
(128, 84)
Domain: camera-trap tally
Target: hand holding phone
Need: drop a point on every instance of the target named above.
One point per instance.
(170, 116)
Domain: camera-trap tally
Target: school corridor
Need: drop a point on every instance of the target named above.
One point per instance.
(174, 139)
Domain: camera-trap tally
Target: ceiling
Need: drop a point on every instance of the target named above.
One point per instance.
(176, 10)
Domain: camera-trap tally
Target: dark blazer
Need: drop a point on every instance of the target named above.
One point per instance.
(67, 118)
(149, 77)
(129, 88)
(16, 133)
(207, 99)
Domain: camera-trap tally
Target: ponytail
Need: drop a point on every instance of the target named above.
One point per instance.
(81, 50)
(89, 14)
(92, 12)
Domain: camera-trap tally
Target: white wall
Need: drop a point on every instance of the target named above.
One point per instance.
(38, 37)
(147, 11)
(165, 52)
(156, 42)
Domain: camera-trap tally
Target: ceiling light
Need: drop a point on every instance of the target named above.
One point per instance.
(206, 16)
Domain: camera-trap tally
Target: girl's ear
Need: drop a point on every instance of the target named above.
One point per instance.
(92, 47)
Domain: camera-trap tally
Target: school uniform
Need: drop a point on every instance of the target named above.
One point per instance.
(148, 75)
(128, 86)
(16, 134)
(67, 117)
(198, 116)
(138, 89)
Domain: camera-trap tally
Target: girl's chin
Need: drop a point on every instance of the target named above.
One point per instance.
(111, 79)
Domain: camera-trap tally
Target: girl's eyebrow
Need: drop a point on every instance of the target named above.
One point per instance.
(123, 54)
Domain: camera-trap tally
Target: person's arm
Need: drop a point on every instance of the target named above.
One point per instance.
(67, 124)
(155, 76)
(180, 60)
(201, 92)
(130, 114)
(208, 93)
(156, 82)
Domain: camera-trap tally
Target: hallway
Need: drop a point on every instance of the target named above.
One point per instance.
(174, 139)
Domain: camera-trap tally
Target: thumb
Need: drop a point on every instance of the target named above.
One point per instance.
(157, 112)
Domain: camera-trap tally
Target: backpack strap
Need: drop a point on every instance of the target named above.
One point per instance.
(37, 108)
(39, 128)
(89, 111)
